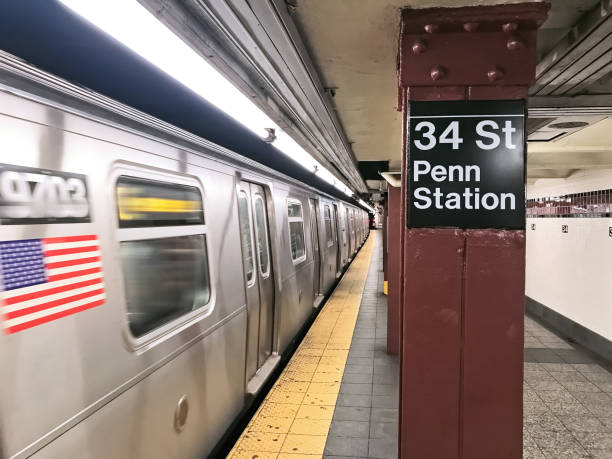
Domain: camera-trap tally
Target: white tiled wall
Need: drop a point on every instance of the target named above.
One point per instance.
(571, 272)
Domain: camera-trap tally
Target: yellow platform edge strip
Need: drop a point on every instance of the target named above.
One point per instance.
(294, 419)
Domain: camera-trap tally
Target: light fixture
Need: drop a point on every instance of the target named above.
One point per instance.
(364, 204)
(135, 27)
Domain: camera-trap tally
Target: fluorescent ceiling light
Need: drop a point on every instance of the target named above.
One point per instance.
(364, 204)
(135, 27)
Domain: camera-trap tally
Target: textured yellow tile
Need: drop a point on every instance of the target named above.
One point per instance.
(327, 377)
(310, 426)
(304, 444)
(305, 359)
(333, 360)
(306, 367)
(315, 412)
(291, 386)
(303, 376)
(277, 396)
(299, 456)
(324, 388)
(242, 454)
(310, 352)
(334, 353)
(336, 368)
(278, 410)
(271, 425)
(320, 399)
(261, 441)
(308, 414)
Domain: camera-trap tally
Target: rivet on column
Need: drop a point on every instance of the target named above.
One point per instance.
(495, 74)
(509, 27)
(437, 73)
(419, 47)
(470, 26)
(432, 28)
(514, 44)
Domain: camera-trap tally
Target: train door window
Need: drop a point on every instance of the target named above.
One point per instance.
(328, 225)
(162, 250)
(245, 236)
(262, 236)
(296, 230)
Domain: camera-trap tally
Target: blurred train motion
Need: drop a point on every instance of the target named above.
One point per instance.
(151, 280)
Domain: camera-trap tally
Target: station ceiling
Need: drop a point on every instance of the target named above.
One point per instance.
(354, 47)
(325, 70)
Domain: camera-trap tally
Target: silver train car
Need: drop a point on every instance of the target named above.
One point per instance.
(151, 281)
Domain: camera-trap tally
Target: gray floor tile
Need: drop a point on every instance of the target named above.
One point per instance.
(345, 446)
(354, 400)
(384, 415)
(383, 429)
(357, 378)
(358, 429)
(369, 361)
(385, 389)
(383, 448)
(385, 378)
(385, 401)
(351, 413)
(362, 369)
(357, 389)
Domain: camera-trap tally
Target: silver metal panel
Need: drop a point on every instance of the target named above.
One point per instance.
(84, 376)
(265, 276)
(139, 422)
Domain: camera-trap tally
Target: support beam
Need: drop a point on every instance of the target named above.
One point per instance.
(393, 269)
(462, 298)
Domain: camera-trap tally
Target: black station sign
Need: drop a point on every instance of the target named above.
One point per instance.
(31, 196)
(466, 164)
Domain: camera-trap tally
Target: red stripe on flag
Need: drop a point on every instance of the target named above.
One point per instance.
(78, 261)
(82, 272)
(49, 318)
(50, 291)
(51, 304)
(58, 240)
(53, 253)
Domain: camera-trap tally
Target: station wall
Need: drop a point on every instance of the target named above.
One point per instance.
(569, 256)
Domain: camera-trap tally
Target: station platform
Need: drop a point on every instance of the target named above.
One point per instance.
(338, 397)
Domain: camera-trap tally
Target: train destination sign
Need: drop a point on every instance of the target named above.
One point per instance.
(466, 164)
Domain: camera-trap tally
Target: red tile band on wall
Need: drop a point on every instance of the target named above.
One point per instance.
(596, 203)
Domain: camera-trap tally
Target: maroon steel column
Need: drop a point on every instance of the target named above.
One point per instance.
(385, 214)
(393, 269)
(463, 289)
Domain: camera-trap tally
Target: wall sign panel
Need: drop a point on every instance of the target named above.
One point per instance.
(466, 164)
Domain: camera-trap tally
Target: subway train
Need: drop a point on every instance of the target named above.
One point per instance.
(151, 280)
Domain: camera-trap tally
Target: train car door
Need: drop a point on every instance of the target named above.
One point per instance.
(259, 274)
(316, 253)
(348, 233)
(338, 247)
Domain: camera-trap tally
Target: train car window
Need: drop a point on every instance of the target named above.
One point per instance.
(262, 236)
(245, 235)
(162, 250)
(164, 279)
(144, 203)
(328, 225)
(296, 231)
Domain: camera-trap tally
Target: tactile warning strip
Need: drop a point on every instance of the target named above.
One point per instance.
(293, 421)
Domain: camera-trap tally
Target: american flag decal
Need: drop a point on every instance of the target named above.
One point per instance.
(46, 279)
